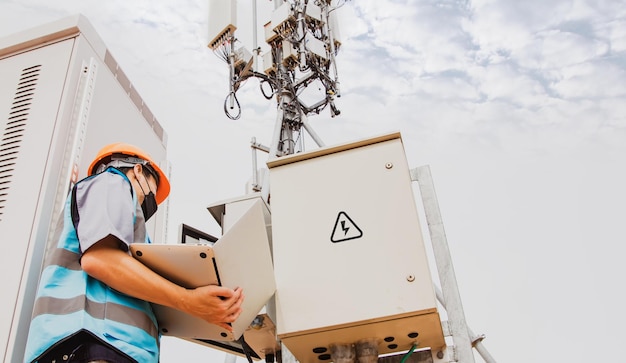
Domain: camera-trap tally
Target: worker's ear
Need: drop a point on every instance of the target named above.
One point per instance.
(133, 174)
(137, 170)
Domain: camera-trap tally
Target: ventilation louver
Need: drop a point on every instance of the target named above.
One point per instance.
(15, 129)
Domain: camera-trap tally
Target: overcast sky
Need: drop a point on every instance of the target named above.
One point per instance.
(518, 107)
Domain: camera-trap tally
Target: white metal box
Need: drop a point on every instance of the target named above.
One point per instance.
(290, 54)
(227, 212)
(268, 63)
(349, 259)
(243, 59)
(260, 336)
(222, 21)
(62, 98)
(314, 13)
(315, 46)
(281, 15)
(333, 24)
(270, 34)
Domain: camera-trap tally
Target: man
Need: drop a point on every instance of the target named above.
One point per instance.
(93, 299)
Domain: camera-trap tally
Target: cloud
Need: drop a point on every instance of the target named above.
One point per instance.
(600, 80)
(517, 105)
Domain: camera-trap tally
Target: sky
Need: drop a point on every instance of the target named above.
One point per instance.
(517, 107)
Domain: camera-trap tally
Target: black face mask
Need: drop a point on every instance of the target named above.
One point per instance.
(149, 205)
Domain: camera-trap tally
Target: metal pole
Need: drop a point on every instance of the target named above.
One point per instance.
(255, 177)
(255, 42)
(309, 129)
(286, 355)
(482, 350)
(451, 295)
(231, 65)
(265, 189)
(331, 36)
(476, 339)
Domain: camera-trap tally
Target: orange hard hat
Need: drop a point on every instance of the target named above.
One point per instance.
(163, 189)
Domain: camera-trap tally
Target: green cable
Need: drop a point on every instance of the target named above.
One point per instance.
(408, 354)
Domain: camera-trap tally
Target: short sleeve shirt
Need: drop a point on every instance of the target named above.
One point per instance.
(106, 207)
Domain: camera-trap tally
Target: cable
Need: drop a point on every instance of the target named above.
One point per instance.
(222, 50)
(408, 354)
(263, 91)
(246, 349)
(234, 96)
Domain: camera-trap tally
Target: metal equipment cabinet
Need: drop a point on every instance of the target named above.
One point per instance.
(62, 97)
(349, 257)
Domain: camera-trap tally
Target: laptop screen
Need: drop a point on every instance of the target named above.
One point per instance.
(191, 235)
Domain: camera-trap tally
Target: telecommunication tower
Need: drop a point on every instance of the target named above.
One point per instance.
(303, 40)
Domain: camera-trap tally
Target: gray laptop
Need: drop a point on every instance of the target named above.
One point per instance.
(240, 258)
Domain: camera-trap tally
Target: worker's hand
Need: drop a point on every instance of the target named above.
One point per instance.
(215, 304)
(105, 261)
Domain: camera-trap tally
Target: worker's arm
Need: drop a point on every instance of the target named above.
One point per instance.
(106, 262)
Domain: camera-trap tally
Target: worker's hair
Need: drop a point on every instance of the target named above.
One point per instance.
(146, 170)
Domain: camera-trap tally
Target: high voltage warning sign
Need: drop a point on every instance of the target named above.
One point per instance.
(345, 229)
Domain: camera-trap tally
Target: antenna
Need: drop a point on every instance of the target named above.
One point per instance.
(302, 43)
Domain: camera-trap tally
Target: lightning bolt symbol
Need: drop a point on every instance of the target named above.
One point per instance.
(344, 228)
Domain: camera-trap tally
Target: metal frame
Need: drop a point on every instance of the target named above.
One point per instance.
(449, 297)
